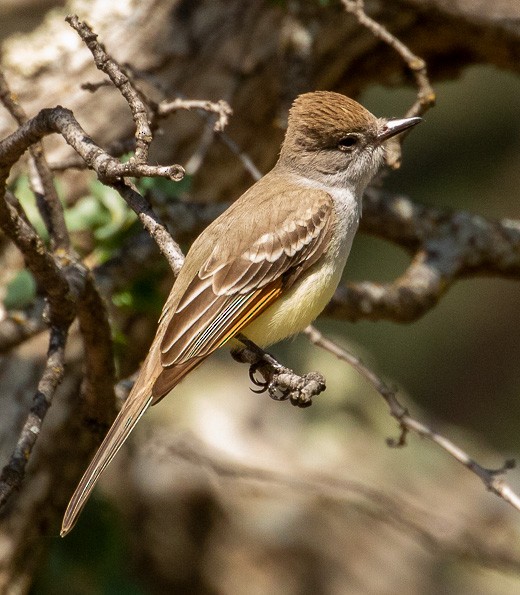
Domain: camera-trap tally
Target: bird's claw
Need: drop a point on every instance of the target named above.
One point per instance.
(264, 385)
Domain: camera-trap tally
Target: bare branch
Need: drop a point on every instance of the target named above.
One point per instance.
(93, 87)
(65, 281)
(105, 63)
(169, 248)
(425, 93)
(220, 108)
(62, 121)
(244, 158)
(41, 182)
(46, 271)
(98, 388)
(116, 148)
(492, 478)
(13, 473)
(446, 246)
(109, 169)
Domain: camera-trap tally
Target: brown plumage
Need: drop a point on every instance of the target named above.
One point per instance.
(322, 118)
(265, 267)
(209, 304)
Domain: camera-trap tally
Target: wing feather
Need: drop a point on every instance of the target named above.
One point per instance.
(232, 287)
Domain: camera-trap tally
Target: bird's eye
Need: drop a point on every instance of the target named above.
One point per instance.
(348, 142)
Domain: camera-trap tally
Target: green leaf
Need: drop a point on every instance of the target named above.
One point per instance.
(123, 299)
(87, 213)
(24, 194)
(21, 291)
(167, 188)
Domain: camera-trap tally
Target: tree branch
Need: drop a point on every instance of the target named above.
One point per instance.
(280, 383)
(157, 230)
(220, 108)
(13, 473)
(492, 478)
(107, 64)
(425, 93)
(416, 65)
(41, 180)
(46, 270)
(446, 246)
(61, 277)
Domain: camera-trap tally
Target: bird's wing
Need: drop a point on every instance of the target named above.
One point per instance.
(231, 290)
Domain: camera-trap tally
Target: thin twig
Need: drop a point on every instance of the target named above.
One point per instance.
(205, 109)
(220, 108)
(64, 280)
(168, 246)
(107, 64)
(61, 120)
(47, 272)
(13, 473)
(425, 92)
(492, 478)
(109, 170)
(244, 158)
(93, 87)
(41, 181)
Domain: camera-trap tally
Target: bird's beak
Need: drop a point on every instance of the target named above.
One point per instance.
(393, 127)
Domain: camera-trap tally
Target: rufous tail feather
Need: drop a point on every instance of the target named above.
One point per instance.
(136, 404)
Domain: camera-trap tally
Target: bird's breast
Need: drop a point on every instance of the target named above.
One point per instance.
(308, 296)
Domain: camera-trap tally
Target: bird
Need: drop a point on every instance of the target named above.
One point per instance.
(269, 264)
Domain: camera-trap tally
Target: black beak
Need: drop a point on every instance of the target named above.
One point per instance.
(393, 127)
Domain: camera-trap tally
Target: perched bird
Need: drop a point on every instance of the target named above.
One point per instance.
(269, 264)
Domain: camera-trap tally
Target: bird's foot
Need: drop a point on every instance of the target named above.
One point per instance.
(281, 383)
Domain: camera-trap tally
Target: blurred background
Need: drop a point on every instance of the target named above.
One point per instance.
(224, 491)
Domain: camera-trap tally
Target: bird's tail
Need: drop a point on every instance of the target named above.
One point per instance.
(137, 402)
(135, 405)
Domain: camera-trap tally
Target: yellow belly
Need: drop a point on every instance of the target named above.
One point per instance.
(307, 298)
(295, 310)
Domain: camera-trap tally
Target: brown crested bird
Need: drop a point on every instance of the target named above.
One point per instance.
(269, 264)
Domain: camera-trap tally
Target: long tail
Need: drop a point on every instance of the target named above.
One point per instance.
(137, 402)
(135, 405)
(153, 383)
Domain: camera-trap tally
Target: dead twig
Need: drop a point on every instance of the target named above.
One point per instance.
(425, 93)
(13, 473)
(41, 177)
(417, 66)
(107, 64)
(168, 246)
(492, 478)
(62, 278)
(220, 108)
